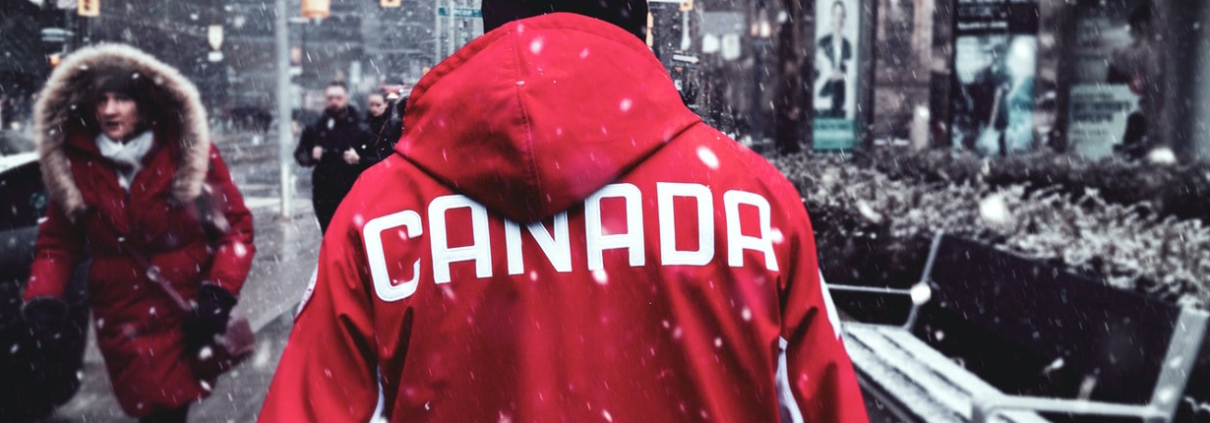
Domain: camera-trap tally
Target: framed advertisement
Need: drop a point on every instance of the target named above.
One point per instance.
(1111, 62)
(835, 83)
(995, 66)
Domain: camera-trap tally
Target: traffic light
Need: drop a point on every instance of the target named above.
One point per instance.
(687, 5)
(89, 8)
(391, 3)
(314, 9)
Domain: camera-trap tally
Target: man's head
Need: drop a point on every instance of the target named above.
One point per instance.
(377, 103)
(630, 15)
(1140, 22)
(336, 97)
(838, 15)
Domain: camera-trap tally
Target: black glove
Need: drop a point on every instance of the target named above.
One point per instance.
(209, 316)
(46, 318)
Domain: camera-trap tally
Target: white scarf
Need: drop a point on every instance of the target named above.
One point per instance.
(128, 157)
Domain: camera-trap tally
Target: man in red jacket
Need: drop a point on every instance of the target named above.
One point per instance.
(557, 238)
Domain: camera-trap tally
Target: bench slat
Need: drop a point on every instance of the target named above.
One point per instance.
(958, 375)
(926, 382)
(875, 364)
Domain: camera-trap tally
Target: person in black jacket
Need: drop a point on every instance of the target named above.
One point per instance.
(385, 124)
(1133, 65)
(334, 145)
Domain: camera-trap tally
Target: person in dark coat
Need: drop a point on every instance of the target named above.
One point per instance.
(386, 127)
(1134, 66)
(334, 145)
(126, 156)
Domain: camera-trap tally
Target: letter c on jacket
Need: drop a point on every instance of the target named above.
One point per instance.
(372, 232)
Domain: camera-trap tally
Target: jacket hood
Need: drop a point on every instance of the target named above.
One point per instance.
(57, 118)
(540, 113)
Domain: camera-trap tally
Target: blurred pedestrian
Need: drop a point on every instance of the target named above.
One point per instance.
(385, 125)
(559, 238)
(334, 145)
(136, 185)
(1136, 66)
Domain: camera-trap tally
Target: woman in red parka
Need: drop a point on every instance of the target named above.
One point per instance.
(125, 155)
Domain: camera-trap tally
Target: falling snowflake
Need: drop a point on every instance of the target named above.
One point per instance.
(994, 210)
(707, 157)
(625, 104)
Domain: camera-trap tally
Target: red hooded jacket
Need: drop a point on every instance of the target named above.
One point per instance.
(558, 238)
(138, 326)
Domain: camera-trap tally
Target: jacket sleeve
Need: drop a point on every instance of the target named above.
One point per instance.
(367, 146)
(382, 144)
(819, 372)
(328, 372)
(302, 153)
(235, 249)
(56, 253)
(390, 137)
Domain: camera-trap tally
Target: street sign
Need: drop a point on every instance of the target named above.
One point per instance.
(685, 58)
(731, 47)
(214, 34)
(460, 12)
(711, 44)
(55, 35)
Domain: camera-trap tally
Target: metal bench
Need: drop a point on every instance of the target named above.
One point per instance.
(1110, 352)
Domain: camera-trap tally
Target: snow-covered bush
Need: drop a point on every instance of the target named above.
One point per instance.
(1163, 188)
(874, 229)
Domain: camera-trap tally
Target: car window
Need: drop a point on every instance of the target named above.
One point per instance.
(23, 197)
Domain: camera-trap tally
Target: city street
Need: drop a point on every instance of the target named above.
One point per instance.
(286, 253)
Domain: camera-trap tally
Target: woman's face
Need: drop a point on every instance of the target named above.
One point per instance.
(378, 105)
(118, 116)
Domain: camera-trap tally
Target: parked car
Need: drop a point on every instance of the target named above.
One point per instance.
(13, 142)
(36, 377)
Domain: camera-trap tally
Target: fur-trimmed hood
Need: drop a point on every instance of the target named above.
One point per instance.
(67, 92)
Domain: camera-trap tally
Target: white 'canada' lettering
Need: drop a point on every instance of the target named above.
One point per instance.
(383, 284)
(669, 255)
(737, 242)
(555, 243)
(598, 241)
(480, 250)
(557, 247)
